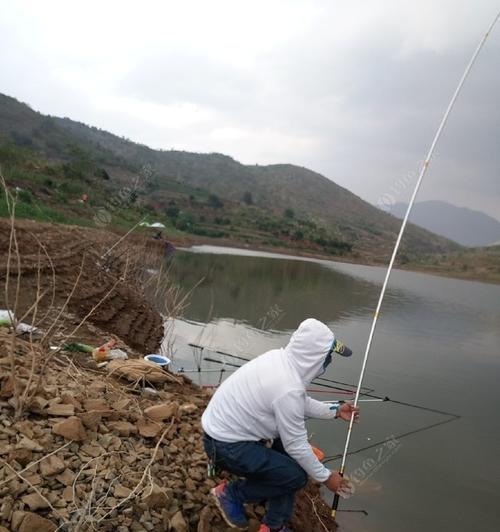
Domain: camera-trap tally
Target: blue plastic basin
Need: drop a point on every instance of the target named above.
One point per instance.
(158, 359)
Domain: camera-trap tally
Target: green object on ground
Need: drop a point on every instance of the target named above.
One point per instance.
(81, 348)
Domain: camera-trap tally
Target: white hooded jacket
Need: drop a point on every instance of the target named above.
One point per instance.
(266, 398)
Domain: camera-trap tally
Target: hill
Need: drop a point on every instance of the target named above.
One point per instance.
(211, 194)
(482, 263)
(466, 226)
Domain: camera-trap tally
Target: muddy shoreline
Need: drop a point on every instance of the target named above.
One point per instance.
(483, 276)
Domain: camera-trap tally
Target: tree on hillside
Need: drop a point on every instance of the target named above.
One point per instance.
(172, 212)
(247, 198)
(289, 213)
(215, 202)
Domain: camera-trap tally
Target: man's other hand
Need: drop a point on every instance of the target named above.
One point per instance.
(346, 411)
(338, 484)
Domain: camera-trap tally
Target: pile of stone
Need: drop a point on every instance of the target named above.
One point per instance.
(94, 451)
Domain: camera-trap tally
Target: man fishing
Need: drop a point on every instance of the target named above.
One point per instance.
(263, 401)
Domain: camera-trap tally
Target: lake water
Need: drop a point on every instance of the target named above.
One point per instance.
(436, 345)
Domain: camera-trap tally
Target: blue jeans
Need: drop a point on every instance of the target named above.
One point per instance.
(269, 474)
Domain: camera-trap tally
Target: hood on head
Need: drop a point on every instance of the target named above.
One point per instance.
(308, 348)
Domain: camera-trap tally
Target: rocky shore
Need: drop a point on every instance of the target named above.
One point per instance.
(84, 446)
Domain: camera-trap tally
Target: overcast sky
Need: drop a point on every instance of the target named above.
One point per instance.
(351, 89)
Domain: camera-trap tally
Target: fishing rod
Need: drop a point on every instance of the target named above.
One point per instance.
(245, 359)
(337, 389)
(360, 401)
(422, 173)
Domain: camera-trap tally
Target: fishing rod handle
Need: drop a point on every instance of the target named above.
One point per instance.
(335, 503)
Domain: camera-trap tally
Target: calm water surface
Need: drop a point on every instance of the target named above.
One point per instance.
(436, 345)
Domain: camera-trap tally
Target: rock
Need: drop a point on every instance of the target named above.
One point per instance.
(38, 403)
(188, 408)
(67, 494)
(178, 523)
(7, 388)
(163, 411)
(91, 420)
(148, 429)
(70, 399)
(17, 519)
(51, 466)
(121, 491)
(32, 478)
(92, 450)
(6, 508)
(3, 529)
(98, 405)
(71, 429)
(25, 427)
(124, 428)
(28, 444)
(195, 474)
(66, 477)
(21, 456)
(36, 523)
(61, 410)
(204, 522)
(155, 497)
(34, 501)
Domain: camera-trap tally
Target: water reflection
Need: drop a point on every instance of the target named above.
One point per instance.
(247, 288)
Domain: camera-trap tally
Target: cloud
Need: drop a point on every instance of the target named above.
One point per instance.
(354, 90)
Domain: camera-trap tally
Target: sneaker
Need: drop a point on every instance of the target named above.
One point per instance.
(232, 511)
(265, 528)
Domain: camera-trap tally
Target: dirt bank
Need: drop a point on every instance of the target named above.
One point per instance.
(68, 253)
(92, 449)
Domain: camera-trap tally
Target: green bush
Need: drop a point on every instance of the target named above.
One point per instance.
(215, 202)
(247, 198)
(25, 196)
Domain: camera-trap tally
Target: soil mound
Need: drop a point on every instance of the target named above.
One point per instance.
(64, 254)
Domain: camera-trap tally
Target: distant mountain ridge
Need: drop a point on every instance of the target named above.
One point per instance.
(273, 187)
(466, 226)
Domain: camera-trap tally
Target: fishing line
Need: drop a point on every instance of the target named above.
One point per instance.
(422, 173)
(397, 437)
(123, 237)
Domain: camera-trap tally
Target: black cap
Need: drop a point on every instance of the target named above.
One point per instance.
(340, 349)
